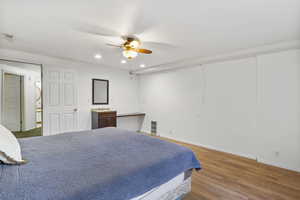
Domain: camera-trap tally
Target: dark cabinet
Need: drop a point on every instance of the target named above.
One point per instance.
(102, 119)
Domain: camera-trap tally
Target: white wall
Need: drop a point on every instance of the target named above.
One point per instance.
(29, 93)
(248, 107)
(123, 87)
(29, 98)
(279, 109)
(123, 92)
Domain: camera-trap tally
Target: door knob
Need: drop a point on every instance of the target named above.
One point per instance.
(75, 109)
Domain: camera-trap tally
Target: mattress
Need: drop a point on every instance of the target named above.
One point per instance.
(173, 189)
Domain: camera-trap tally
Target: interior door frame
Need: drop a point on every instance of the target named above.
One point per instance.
(42, 86)
(3, 72)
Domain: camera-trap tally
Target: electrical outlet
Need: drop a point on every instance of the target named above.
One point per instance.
(277, 153)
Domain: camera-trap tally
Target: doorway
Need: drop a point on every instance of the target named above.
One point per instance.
(12, 102)
(21, 98)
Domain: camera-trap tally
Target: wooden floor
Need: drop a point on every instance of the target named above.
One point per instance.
(229, 177)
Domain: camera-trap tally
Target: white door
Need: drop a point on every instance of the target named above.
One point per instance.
(60, 105)
(12, 102)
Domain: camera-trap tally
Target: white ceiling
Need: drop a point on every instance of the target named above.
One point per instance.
(197, 28)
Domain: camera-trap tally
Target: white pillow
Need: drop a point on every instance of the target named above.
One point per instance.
(10, 151)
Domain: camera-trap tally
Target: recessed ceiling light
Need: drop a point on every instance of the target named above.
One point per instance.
(142, 65)
(98, 56)
(123, 61)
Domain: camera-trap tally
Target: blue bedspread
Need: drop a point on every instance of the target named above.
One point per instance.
(102, 164)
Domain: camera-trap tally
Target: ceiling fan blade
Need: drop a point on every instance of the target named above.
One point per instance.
(124, 37)
(8, 37)
(96, 30)
(145, 51)
(114, 45)
(135, 20)
(160, 44)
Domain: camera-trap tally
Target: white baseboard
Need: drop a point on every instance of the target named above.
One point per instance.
(212, 147)
(226, 151)
(272, 163)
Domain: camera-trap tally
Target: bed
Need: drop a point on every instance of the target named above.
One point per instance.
(100, 164)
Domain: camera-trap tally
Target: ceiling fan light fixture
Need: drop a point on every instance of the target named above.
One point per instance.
(129, 54)
(134, 44)
(123, 61)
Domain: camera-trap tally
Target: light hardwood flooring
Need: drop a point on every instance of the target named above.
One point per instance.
(229, 177)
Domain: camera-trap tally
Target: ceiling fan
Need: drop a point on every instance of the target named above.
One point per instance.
(131, 47)
(131, 44)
